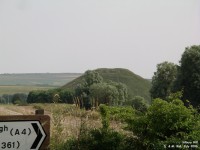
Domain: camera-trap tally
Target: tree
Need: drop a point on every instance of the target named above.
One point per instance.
(163, 80)
(40, 96)
(19, 98)
(92, 77)
(104, 93)
(81, 95)
(138, 103)
(6, 98)
(165, 123)
(122, 91)
(82, 91)
(189, 75)
(66, 96)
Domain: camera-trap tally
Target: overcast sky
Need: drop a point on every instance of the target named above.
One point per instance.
(77, 35)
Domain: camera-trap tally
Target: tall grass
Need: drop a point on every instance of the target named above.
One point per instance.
(68, 122)
(70, 125)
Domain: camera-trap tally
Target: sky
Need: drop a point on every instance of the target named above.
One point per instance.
(39, 36)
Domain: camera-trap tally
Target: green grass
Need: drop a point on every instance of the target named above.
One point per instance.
(137, 86)
(12, 89)
(24, 83)
(51, 79)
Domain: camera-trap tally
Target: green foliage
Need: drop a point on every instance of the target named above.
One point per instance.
(104, 116)
(174, 119)
(65, 96)
(121, 113)
(107, 140)
(56, 98)
(135, 84)
(39, 97)
(137, 103)
(97, 139)
(92, 77)
(6, 98)
(163, 79)
(189, 75)
(94, 91)
(122, 92)
(19, 99)
(165, 123)
(82, 90)
(104, 93)
(175, 96)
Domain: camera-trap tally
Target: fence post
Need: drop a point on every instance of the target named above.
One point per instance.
(39, 112)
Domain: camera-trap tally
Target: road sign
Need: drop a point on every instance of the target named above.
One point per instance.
(24, 132)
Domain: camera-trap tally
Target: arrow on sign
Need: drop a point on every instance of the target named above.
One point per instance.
(21, 135)
(39, 135)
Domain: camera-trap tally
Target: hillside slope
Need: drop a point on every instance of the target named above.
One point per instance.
(137, 86)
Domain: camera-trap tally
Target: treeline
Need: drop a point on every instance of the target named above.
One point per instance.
(92, 92)
(17, 98)
(170, 78)
(51, 96)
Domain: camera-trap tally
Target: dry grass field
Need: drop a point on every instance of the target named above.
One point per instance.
(66, 120)
(16, 110)
(66, 115)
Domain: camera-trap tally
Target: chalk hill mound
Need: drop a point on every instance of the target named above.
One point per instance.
(137, 86)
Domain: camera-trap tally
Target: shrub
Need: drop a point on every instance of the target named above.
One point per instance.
(97, 139)
(165, 123)
(119, 113)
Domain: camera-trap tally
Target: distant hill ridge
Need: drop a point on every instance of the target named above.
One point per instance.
(53, 79)
(137, 86)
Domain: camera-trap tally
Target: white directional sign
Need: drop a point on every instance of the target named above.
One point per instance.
(21, 135)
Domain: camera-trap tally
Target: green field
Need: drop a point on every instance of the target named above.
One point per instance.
(52, 79)
(12, 89)
(24, 83)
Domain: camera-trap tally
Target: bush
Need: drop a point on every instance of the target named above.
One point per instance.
(97, 139)
(118, 113)
(165, 123)
(137, 103)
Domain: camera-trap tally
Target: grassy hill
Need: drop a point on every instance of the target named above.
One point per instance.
(137, 86)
